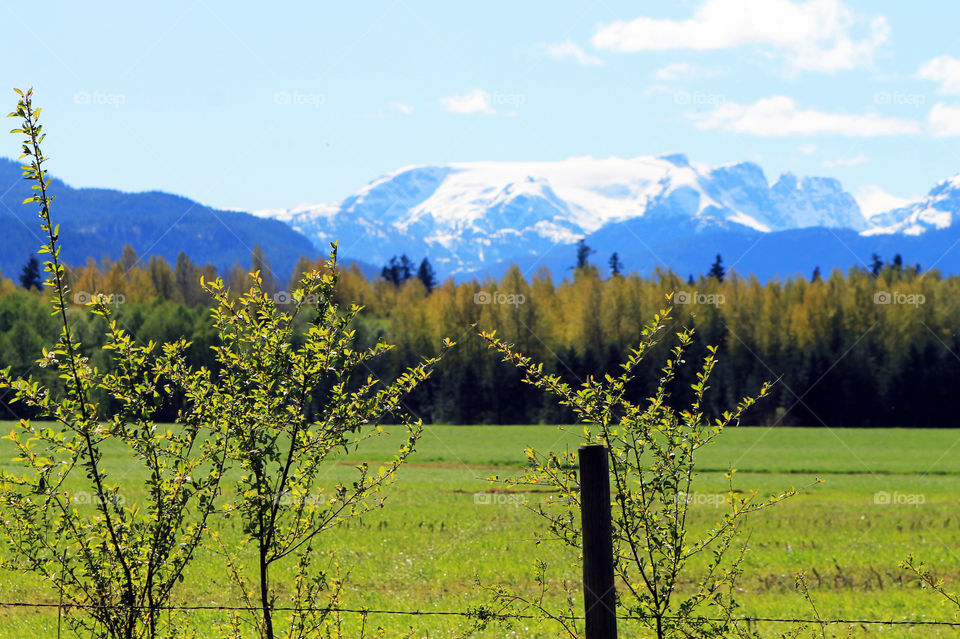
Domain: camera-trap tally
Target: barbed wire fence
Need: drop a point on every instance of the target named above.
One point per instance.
(464, 614)
(598, 573)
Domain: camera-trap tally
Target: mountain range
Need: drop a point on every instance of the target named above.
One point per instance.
(474, 219)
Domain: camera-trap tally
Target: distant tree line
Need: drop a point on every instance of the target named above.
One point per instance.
(401, 269)
(878, 345)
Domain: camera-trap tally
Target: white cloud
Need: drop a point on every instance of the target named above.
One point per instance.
(814, 35)
(682, 70)
(807, 148)
(842, 52)
(401, 107)
(944, 120)
(846, 161)
(944, 69)
(568, 49)
(779, 116)
(475, 101)
(873, 200)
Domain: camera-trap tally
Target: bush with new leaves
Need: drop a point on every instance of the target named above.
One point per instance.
(651, 448)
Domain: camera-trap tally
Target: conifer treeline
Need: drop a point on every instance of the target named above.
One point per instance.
(870, 347)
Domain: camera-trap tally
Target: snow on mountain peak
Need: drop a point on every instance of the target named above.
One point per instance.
(465, 213)
(937, 210)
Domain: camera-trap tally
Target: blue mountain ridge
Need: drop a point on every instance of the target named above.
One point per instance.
(99, 222)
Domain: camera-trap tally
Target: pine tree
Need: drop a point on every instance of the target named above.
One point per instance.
(30, 277)
(397, 271)
(427, 275)
(717, 271)
(583, 254)
(406, 268)
(876, 265)
(391, 272)
(816, 274)
(616, 266)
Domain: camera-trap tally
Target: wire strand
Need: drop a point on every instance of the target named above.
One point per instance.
(477, 614)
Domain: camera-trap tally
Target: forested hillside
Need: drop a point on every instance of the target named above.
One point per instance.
(861, 348)
(99, 222)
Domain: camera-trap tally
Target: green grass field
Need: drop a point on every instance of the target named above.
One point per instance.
(434, 540)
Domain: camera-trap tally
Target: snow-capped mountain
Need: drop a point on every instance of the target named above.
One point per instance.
(938, 210)
(465, 216)
(477, 218)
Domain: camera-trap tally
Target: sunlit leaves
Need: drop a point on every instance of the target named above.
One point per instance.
(266, 385)
(116, 558)
(651, 450)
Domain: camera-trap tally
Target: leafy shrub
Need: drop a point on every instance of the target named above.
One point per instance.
(651, 450)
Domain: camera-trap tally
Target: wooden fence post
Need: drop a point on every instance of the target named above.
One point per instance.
(599, 595)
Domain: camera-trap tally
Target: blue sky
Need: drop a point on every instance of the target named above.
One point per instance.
(241, 105)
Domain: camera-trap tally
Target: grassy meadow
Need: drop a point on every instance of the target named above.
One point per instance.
(885, 493)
